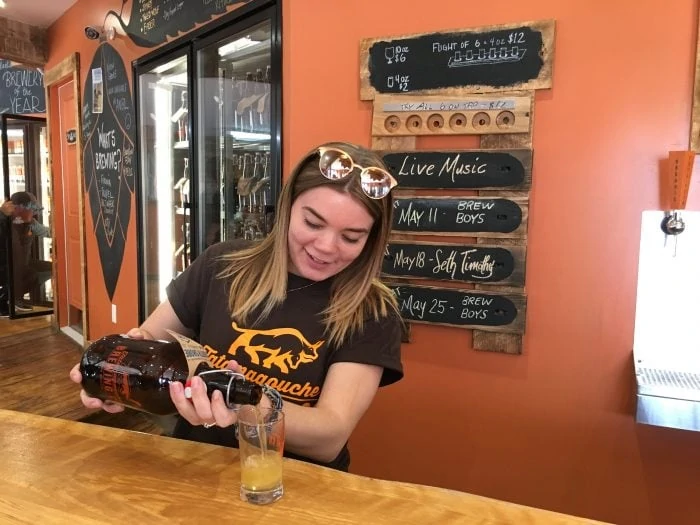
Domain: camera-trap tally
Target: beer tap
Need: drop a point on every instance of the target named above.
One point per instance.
(675, 188)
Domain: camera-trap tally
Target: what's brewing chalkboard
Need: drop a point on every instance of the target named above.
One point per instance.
(515, 56)
(109, 136)
(21, 89)
(456, 262)
(475, 216)
(152, 21)
(463, 308)
(466, 169)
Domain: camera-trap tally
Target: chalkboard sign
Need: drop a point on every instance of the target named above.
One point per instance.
(108, 131)
(456, 262)
(449, 215)
(21, 89)
(152, 21)
(466, 169)
(462, 308)
(517, 56)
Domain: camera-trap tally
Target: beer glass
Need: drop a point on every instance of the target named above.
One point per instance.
(261, 445)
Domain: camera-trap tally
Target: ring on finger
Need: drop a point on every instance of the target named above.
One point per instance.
(209, 425)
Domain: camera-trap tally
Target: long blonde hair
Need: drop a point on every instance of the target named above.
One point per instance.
(258, 275)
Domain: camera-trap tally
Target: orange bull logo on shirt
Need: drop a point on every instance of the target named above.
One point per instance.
(283, 349)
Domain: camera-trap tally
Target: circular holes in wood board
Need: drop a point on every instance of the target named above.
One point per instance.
(505, 119)
(414, 123)
(458, 122)
(435, 122)
(392, 123)
(481, 120)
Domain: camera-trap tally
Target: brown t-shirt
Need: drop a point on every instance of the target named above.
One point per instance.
(288, 350)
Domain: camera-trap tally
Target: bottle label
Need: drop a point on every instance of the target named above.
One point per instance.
(194, 352)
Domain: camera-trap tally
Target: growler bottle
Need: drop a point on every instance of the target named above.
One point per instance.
(137, 373)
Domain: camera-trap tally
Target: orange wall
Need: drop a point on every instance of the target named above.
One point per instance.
(554, 427)
(65, 37)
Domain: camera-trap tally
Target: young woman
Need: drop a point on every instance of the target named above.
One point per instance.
(302, 311)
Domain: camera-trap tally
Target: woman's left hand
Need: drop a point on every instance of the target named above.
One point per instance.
(199, 410)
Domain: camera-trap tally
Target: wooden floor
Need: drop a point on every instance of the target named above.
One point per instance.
(35, 360)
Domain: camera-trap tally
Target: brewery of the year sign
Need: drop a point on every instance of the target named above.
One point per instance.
(21, 89)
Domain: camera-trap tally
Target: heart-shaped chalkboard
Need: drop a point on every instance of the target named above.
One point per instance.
(108, 134)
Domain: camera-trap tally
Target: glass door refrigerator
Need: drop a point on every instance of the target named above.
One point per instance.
(209, 129)
(25, 242)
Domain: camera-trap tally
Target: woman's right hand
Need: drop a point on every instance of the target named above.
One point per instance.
(93, 402)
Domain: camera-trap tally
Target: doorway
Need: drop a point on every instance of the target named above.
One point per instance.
(63, 111)
(26, 287)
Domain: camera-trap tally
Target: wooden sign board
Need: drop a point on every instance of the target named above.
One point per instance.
(472, 216)
(480, 263)
(483, 59)
(398, 115)
(495, 312)
(22, 89)
(463, 170)
(695, 115)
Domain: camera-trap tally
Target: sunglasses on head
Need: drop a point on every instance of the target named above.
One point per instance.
(335, 164)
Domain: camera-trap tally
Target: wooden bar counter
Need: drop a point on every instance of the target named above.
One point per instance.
(58, 471)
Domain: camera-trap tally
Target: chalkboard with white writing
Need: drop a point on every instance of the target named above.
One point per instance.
(456, 262)
(497, 312)
(152, 21)
(466, 169)
(497, 217)
(108, 149)
(21, 89)
(516, 56)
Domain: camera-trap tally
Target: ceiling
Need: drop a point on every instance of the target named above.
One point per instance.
(40, 13)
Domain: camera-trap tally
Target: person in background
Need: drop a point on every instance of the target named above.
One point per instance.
(27, 271)
(7, 208)
(301, 311)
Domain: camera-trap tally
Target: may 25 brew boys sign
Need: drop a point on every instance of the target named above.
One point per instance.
(498, 312)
